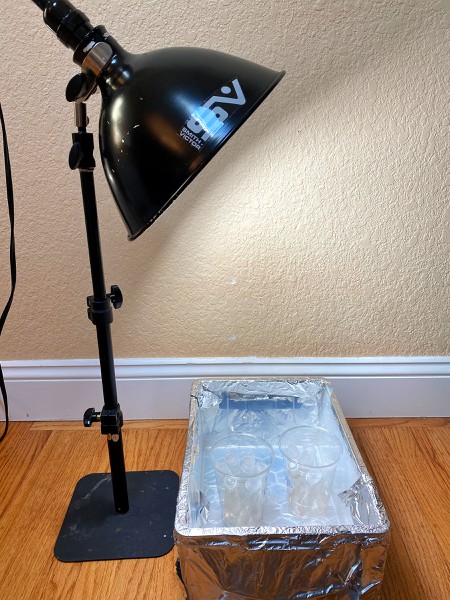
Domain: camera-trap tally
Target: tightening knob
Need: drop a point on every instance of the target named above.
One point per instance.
(81, 86)
(91, 416)
(75, 156)
(116, 296)
(76, 87)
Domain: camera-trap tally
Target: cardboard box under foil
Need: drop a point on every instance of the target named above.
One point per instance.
(341, 556)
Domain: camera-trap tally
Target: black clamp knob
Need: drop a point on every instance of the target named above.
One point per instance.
(91, 416)
(76, 87)
(81, 86)
(116, 296)
(75, 156)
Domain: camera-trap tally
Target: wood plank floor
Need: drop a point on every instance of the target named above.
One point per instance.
(40, 464)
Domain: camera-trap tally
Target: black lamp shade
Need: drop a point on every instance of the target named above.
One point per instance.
(164, 116)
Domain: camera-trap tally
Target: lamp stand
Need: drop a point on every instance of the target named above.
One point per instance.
(141, 522)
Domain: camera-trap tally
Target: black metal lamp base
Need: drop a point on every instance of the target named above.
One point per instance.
(92, 530)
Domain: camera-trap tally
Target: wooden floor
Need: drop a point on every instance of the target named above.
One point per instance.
(40, 464)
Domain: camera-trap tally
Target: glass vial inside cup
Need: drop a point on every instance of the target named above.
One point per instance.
(310, 459)
(241, 464)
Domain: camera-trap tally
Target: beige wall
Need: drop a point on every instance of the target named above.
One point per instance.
(322, 228)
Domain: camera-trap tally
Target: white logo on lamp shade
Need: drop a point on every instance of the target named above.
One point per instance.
(206, 120)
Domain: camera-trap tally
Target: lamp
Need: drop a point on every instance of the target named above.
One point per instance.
(164, 115)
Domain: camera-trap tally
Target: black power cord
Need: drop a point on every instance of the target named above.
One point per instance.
(12, 261)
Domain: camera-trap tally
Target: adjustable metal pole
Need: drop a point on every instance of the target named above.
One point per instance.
(91, 529)
(100, 311)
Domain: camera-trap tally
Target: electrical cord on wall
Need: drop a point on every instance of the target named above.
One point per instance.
(12, 261)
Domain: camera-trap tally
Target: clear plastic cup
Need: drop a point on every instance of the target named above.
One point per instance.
(310, 459)
(241, 463)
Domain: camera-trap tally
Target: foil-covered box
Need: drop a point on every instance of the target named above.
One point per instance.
(339, 556)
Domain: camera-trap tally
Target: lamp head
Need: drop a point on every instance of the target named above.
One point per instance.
(164, 114)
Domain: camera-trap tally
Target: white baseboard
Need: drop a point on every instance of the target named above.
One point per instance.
(159, 388)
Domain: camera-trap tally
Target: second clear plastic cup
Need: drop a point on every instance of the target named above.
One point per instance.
(241, 464)
(310, 459)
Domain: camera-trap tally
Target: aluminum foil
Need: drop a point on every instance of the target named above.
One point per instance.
(340, 556)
